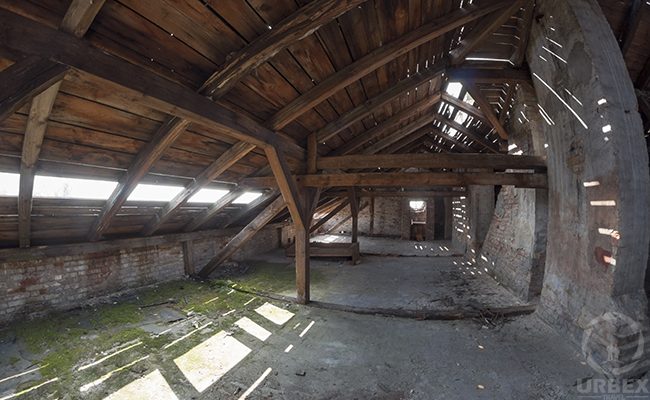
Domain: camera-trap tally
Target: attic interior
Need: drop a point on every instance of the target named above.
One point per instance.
(326, 199)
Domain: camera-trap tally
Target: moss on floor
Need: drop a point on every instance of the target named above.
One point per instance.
(272, 277)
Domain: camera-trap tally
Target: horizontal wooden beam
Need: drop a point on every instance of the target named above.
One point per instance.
(380, 56)
(450, 160)
(413, 195)
(404, 179)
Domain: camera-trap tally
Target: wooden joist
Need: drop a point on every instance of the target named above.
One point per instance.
(404, 179)
(218, 167)
(483, 29)
(487, 109)
(437, 161)
(371, 105)
(243, 236)
(298, 25)
(380, 56)
(387, 125)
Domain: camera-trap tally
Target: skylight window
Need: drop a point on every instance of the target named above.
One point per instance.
(9, 184)
(454, 88)
(72, 188)
(207, 196)
(247, 198)
(154, 193)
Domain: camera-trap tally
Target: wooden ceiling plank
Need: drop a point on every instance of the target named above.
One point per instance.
(243, 236)
(379, 57)
(399, 134)
(218, 167)
(483, 30)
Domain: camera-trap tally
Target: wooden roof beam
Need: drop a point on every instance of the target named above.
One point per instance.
(466, 131)
(483, 30)
(487, 109)
(218, 167)
(380, 56)
(400, 133)
(288, 187)
(451, 160)
(213, 210)
(371, 105)
(405, 179)
(76, 20)
(390, 123)
(243, 236)
(466, 107)
(490, 75)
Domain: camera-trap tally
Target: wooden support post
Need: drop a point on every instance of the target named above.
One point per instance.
(188, 257)
(303, 283)
(354, 212)
(243, 236)
(312, 153)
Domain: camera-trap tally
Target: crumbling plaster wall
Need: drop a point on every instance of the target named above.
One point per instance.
(598, 184)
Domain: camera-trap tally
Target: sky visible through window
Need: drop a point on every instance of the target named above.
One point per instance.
(93, 189)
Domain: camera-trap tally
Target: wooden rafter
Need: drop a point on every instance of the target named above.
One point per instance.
(387, 125)
(379, 57)
(287, 185)
(405, 141)
(466, 107)
(331, 214)
(213, 210)
(363, 110)
(387, 179)
(399, 134)
(630, 26)
(490, 76)
(487, 109)
(76, 21)
(484, 29)
(519, 56)
(297, 26)
(468, 132)
(218, 167)
(243, 236)
(510, 94)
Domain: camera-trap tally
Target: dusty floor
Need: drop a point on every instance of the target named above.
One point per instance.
(394, 247)
(193, 340)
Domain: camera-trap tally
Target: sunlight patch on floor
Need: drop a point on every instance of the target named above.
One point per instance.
(277, 315)
(207, 362)
(152, 386)
(253, 328)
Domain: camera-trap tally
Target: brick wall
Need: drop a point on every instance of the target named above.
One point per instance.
(386, 218)
(34, 282)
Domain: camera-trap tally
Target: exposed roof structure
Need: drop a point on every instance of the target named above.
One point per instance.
(200, 94)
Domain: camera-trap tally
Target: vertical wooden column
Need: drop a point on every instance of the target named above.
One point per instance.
(310, 200)
(354, 212)
(371, 229)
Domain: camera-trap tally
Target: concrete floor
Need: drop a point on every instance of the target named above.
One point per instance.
(195, 340)
(316, 354)
(394, 247)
